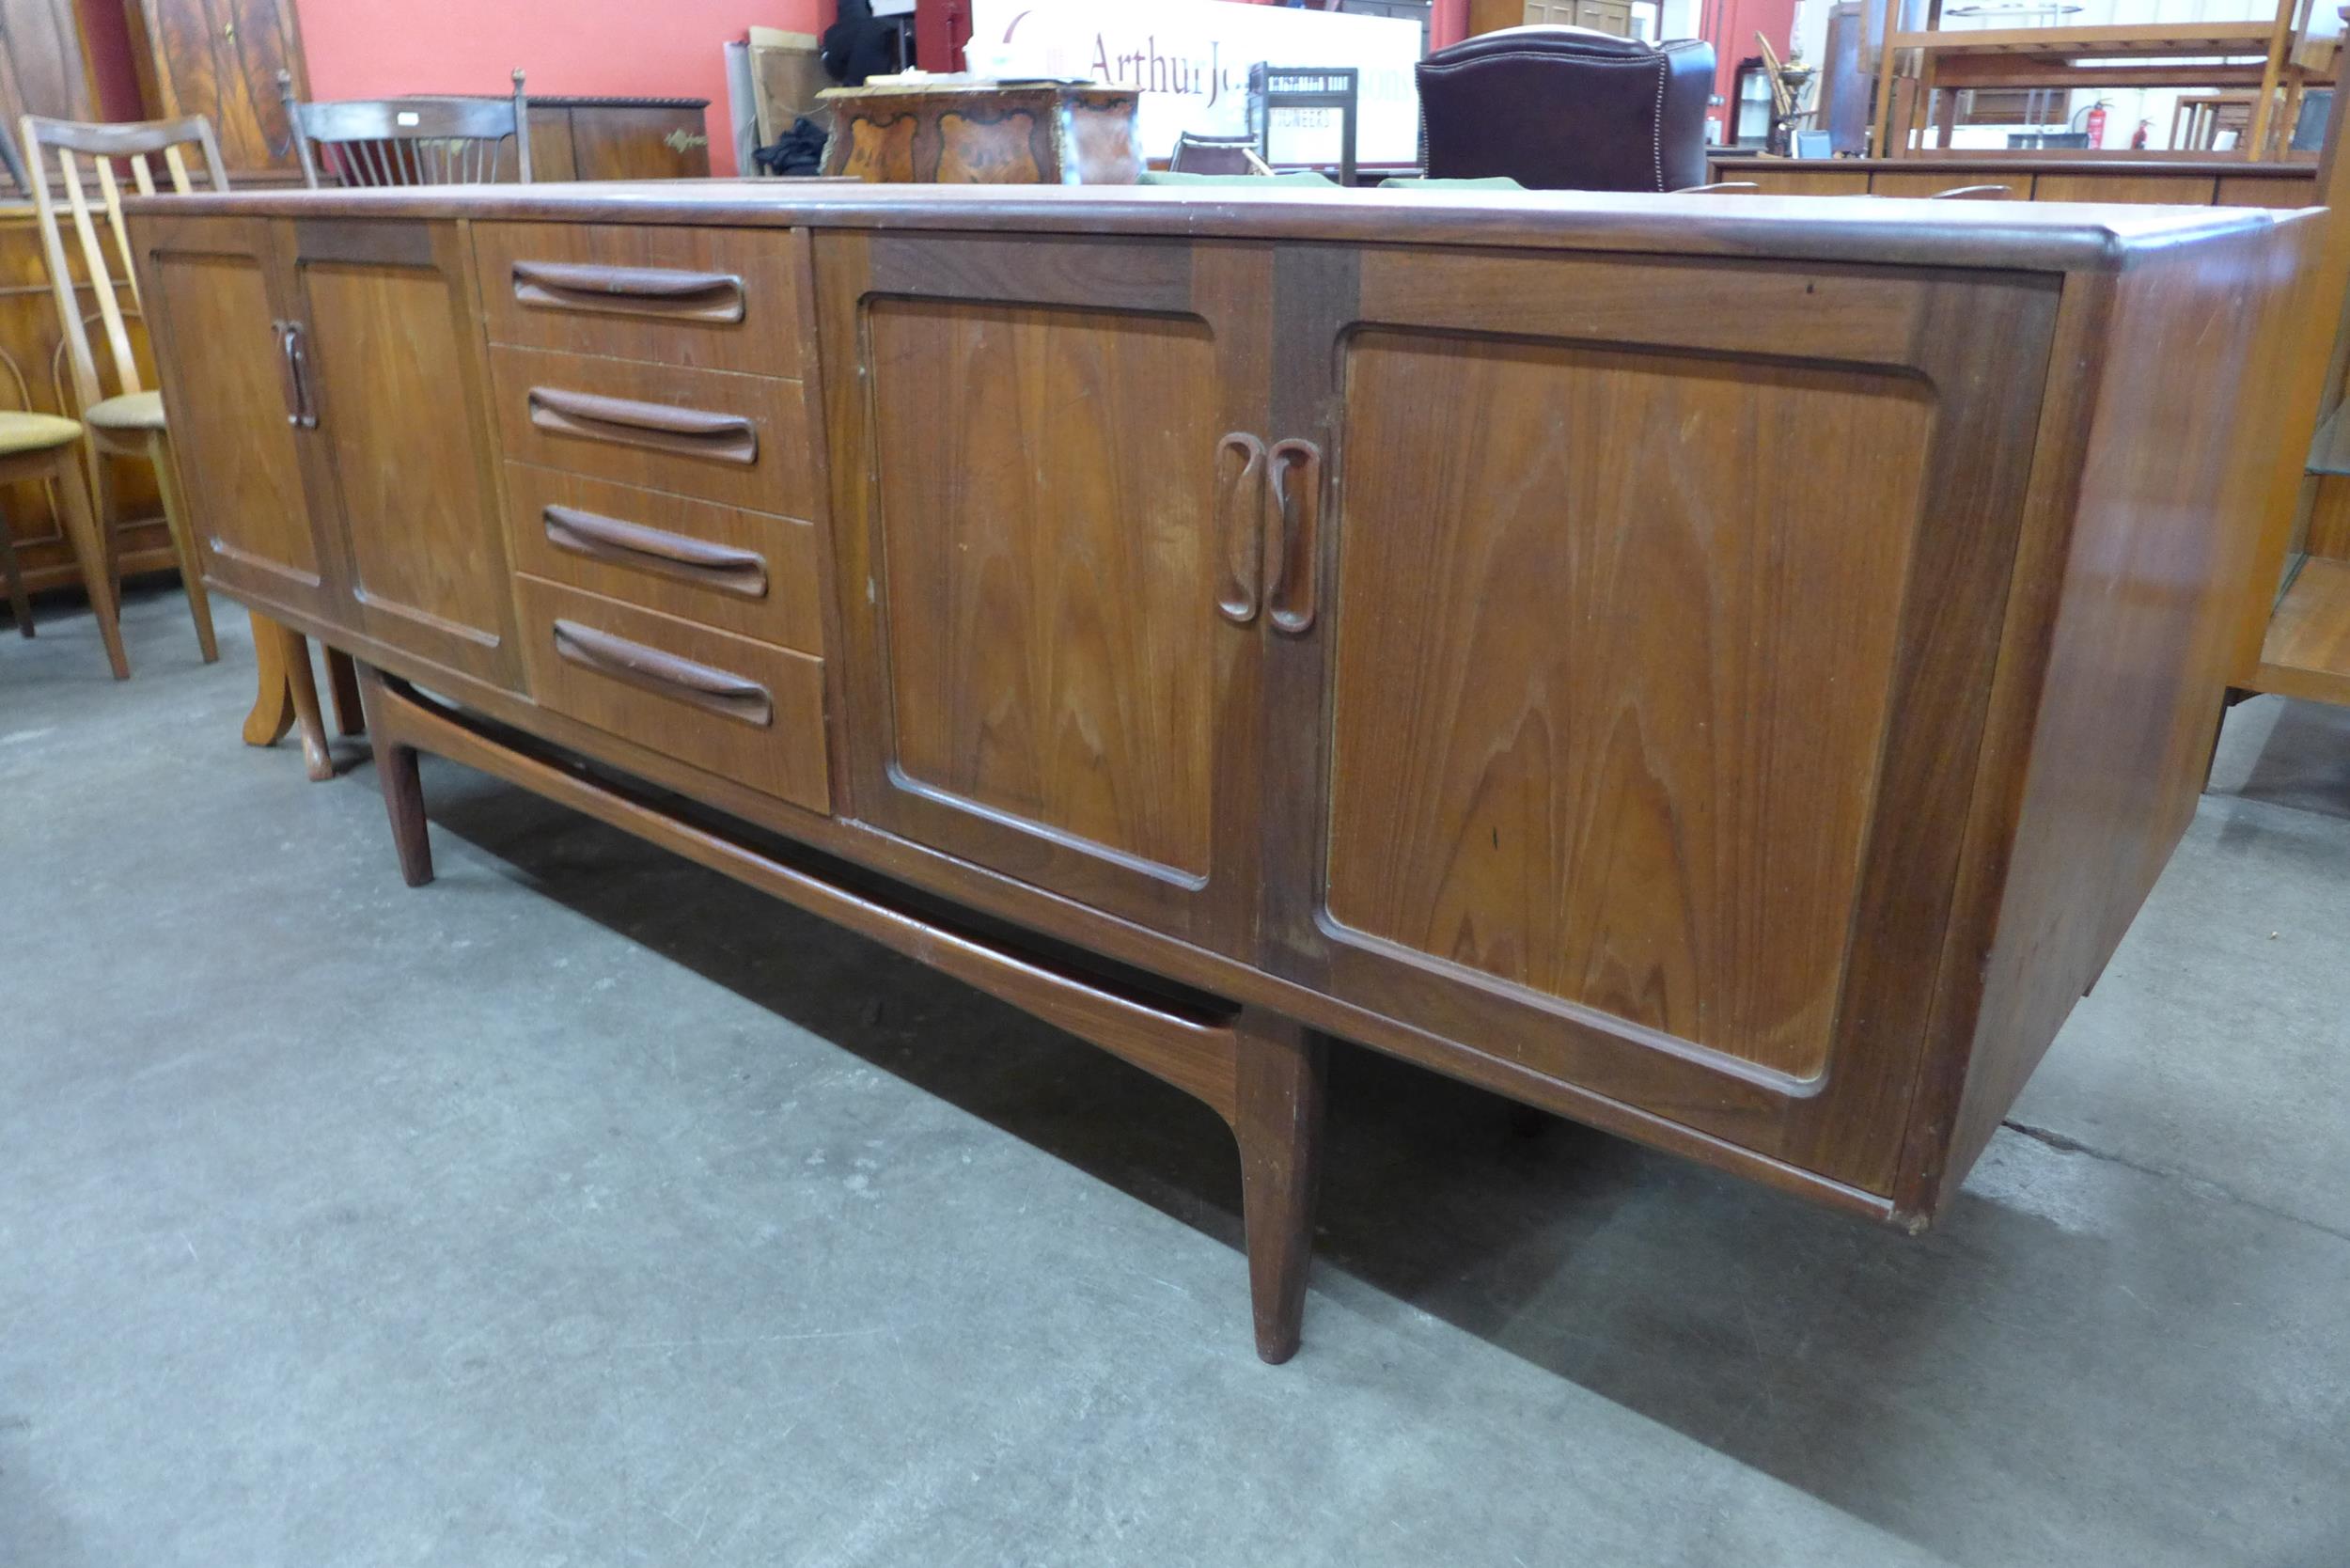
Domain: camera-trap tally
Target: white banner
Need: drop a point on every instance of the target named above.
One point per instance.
(1191, 57)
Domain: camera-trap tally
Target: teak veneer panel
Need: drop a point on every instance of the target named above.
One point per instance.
(787, 607)
(777, 476)
(241, 474)
(750, 326)
(779, 751)
(423, 527)
(1610, 698)
(1048, 485)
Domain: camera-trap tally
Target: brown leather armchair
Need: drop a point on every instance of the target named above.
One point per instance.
(1567, 109)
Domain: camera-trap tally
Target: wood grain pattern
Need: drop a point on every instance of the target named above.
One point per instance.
(2101, 729)
(1659, 816)
(243, 476)
(764, 340)
(776, 746)
(393, 360)
(786, 610)
(219, 58)
(779, 476)
(1046, 549)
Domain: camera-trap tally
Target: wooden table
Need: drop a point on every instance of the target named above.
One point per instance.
(984, 133)
(1725, 670)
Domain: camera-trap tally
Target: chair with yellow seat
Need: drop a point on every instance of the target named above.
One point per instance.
(130, 421)
(46, 448)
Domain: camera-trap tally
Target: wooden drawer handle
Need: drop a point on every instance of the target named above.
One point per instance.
(699, 432)
(1240, 526)
(633, 663)
(654, 291)
(1293, 541)
(717, 566)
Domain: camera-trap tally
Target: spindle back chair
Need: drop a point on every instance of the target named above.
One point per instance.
(409, 141)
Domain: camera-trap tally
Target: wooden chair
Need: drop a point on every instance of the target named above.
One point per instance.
(47, 447)
(409, 141)
(130, 420)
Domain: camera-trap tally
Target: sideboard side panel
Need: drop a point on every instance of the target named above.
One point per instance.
(2120, 694)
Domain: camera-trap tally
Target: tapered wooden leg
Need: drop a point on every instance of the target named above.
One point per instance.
(184, 543)
(101, 500)
(85, 528)
(1277, 1118)
(272, 712)
(403, 792)
(303, 683)
(342, 683)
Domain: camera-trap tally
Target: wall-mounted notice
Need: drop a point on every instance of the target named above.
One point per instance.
(1190, 59)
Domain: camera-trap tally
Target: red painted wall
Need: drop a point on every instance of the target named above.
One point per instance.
(378, 48)
(1730, 25)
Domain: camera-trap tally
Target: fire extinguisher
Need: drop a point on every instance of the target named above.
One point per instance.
(2096, 124)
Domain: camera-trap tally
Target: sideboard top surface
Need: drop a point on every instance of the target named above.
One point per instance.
(2030, 236)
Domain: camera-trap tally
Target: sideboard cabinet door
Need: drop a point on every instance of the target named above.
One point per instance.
(1048, 461)
(1656, 609)
(217, 297)
(394, 371)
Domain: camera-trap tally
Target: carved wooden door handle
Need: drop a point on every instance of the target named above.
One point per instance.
(665, 674)
(1239, 511)
(666, 291)
(1290, 551)
(719, 566)
(702, 433)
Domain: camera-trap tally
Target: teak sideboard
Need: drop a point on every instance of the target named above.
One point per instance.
(1726, 671)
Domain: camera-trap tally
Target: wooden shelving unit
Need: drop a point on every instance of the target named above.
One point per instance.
(2256, 54)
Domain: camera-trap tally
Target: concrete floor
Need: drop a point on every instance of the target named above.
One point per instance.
(584, 1209)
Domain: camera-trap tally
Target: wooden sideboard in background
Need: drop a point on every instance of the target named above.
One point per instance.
(619, 138)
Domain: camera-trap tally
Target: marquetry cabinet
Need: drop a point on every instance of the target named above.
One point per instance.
(1725, 673)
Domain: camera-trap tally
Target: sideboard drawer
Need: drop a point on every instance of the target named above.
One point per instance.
(740, 440)
(714, 299)
(737, 571)
(738, 709)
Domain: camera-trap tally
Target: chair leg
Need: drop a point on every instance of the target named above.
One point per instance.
(404, 792)
(184, 543)
(303, 683)
(69, 486)
(343, 685)
(1278, 1123)
(20, 602)
(102, 496)
(272, 712)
